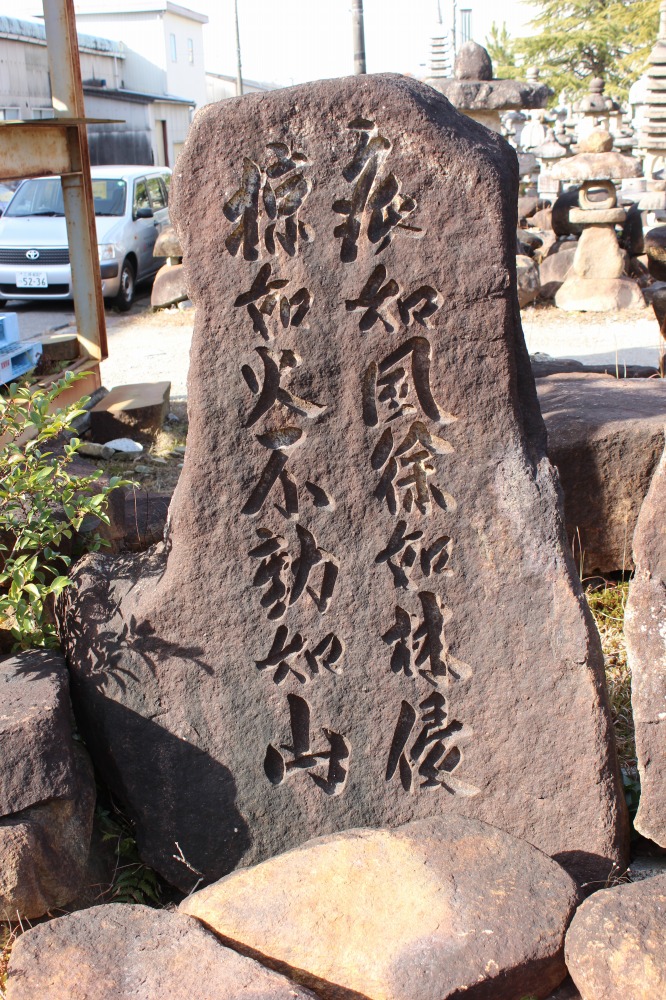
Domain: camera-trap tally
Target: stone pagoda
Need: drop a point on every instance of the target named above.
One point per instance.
(652, 136)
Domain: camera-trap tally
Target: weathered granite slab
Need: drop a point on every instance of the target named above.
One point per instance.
(36, 750)
(365, 611)
(645, 631)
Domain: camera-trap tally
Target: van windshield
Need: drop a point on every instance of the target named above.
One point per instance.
(43, 196)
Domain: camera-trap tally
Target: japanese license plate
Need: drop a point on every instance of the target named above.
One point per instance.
(31, 279)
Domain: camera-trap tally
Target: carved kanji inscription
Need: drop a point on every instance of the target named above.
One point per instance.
(376, 209)
(324, 758)
(424, 751)
(265, 209)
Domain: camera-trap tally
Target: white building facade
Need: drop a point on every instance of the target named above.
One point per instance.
(163, 44)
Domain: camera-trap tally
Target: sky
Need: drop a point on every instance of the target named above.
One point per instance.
(292, 41)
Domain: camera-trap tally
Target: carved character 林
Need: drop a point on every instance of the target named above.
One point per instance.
(415, 643)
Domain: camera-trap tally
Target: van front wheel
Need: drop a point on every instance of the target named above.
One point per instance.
(125, 297)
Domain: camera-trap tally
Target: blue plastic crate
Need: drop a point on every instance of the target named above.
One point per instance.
(16, 360)
(9, 330)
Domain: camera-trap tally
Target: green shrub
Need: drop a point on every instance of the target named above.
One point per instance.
(42, 503)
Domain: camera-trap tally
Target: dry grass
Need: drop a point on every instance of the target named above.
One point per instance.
(607, 604)
(8, 935)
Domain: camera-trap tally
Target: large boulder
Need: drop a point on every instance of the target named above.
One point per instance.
(528, 280)
(553, 271)
(44, 850)
(616, 945)
(645, 632)
(36, 747)
(334, 632)
(438, 908)
(605, 436)
(124, 952)
(47, 790)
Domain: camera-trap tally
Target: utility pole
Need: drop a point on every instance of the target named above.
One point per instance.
(239, 71)
(359, 37)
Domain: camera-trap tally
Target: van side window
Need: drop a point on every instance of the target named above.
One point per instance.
(166, 180)
(156, 194)
(140, 195)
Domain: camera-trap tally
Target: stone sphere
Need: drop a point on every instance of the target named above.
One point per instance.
(598, 141)
(473, 63)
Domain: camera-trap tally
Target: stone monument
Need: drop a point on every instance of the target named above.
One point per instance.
(645, 630)
(364, 611)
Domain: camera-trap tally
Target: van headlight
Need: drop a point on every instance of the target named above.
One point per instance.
(106, 251)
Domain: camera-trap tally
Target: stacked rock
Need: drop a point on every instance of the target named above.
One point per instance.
(596, 282)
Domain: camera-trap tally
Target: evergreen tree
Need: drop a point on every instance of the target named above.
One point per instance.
(502, 50)
(576, 40)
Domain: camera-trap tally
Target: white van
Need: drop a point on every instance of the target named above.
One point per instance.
(131, 206)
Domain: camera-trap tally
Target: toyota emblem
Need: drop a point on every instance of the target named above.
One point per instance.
(32, 254)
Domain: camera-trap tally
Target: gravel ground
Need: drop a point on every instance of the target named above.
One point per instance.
(154, 346)
(630, 337)
(146, 346)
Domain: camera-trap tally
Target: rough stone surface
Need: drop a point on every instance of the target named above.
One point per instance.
(264, 677)
(417, 919)
(36, 760)
(606, 437)
(553, 270)
(655, 248)
(655, 244)
(645, 631)
(597, 216)
(169, 286)
(598, 294)
(610, 166)
(167, 244)
(598, 254)
(60, 347)
(44, 849)
(543, 219)
(472, 62)
(139, 410)
(528, 280)
(616, 945)
(124, 952)
(597, 141)
(491, 95)
(562, 225)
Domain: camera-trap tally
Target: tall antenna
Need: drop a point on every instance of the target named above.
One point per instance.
(239, 70)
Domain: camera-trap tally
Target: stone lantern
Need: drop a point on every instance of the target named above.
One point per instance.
(547, 154)
(475, 92)
(596, 282)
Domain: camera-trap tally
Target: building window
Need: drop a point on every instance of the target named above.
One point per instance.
(43, 113)
(190, 51)
(10, 114)
(465, 25)
(172, 47)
